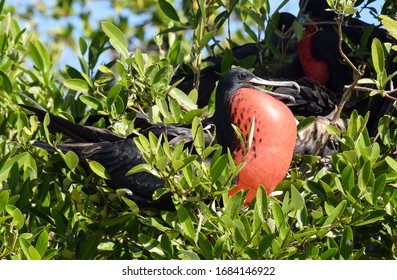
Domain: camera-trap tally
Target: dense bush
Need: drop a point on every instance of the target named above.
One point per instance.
(53, 206)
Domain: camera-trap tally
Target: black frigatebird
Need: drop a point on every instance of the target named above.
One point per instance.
(273, 125)
(319, 58)
(238, 102)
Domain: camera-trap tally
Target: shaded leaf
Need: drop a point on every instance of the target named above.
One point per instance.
(168, 10)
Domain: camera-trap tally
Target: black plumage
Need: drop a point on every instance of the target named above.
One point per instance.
(324, 48)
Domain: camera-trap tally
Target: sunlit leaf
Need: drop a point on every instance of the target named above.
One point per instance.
(77, 85)
(71, 159)
(389, 24)
(98, 169)
(117, 38)
(378, 58)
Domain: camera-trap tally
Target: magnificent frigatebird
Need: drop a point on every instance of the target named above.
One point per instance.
(238, 102)
(318, 51)
(319, 58)
(268, 157)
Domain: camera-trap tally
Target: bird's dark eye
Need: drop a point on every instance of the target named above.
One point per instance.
(242, 76)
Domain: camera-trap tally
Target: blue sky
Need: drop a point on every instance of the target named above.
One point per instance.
(102, 9)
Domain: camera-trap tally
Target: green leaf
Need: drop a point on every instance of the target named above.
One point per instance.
(173, 29)
(72, 160)
(140, 61)
(25, 245)
(367, 81)
(337, 212)
(17, 218)
(143, 167)
(297, 200)
(350, 11)
(60, 221)
(369, 217)
(205, 246)
(82, 45)
(182, 99)
(42, 243)
(391, 162)
(333, 130)
(166, 245)
(265, 244)
(162, 163)
(186, 223)
(75, 195)
(306, 122)
(4, 195)
(5, 83)
(298, 29)
(206, 38)
(117, 38)
(105, 70)
(233, 204)
(131, 204)
(379, 186)
(152, 245)
(198, 135)
(106, 246)
(169, 10)
(346, 243)
(378, 57)
(278, 216)
(220, 246)
(88, 245)
(5, 169)
(91, 102)
(365, 177)
(39, 55)
(329, 254)
(98, 169)
(188, 255)
(389, 24)
(179, 164)
(218, 167)
(348, 178)
(113, 93)
(77, 85)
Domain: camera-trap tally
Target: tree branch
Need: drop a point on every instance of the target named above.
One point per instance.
(358, 72)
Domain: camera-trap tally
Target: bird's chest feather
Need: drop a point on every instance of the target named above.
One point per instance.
(270, 123)
(314, 68)
(269, 129)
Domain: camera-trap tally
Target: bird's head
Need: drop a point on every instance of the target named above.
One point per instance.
(237, 78)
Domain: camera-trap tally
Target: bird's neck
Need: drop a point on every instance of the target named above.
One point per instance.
(222, 119)
(313, 67)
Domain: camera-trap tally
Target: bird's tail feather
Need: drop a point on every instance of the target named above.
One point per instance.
(73, 130)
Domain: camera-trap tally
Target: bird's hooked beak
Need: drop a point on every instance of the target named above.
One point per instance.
(262, 82)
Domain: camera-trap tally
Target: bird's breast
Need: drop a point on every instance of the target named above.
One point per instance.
(268, 151)
(313, 67)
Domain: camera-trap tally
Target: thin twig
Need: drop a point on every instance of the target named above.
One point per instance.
(386, 93)
(358, 72)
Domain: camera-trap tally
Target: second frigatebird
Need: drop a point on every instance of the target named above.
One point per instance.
(318, 57)
(238, 102)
